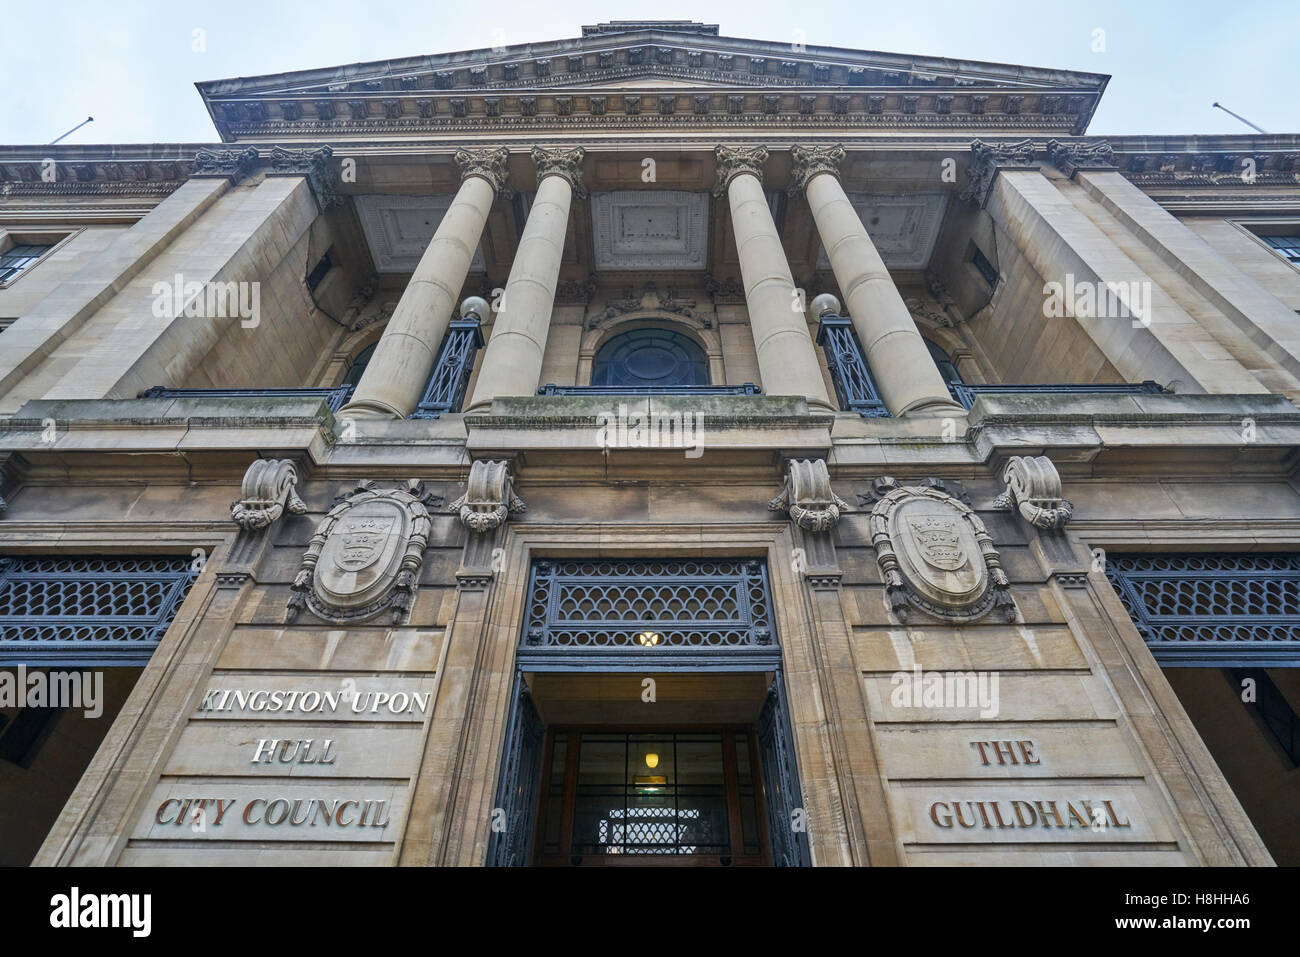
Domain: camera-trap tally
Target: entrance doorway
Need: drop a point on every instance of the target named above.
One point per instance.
(680, 796)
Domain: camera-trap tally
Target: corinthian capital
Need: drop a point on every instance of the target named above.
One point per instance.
(811, 160)
(732, 161)
(489, 164)
(564, 163)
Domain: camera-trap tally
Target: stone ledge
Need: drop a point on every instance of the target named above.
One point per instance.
(192, 411)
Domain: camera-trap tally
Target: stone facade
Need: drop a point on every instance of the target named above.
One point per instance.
(373, 574)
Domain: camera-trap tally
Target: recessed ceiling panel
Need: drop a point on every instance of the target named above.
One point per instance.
(399, 228)
(650, 229)
(903, 228)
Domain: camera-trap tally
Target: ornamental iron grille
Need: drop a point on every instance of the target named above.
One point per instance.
(785, 810)
(446, 389)
(517, 790)
(848, 367)
(89, 610)
(1240, 611)
(623, 610)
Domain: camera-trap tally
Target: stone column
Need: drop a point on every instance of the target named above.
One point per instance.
(787, 358)
(399, 370)
(906, 377)
(512, 363)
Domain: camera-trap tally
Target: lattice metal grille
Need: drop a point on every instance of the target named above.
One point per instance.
(649, 604)
(91, 609)
(1213, 609)
(848, 367)
(446, 389)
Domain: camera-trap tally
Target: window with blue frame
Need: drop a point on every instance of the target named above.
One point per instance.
(16, 259)
(650, 358)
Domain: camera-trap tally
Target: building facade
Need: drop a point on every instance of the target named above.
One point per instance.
(652, 447)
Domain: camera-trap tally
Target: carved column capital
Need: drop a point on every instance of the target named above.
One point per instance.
(269, 489)
(1033, 488)
(732, 161)
(563, 163)
(1069, 158)
(809, 161)
(231, 164)
(808, 497)
(489, 164)
(489, 497)
(315, 165)
(986, 160)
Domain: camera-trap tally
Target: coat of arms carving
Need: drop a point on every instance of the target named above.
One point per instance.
(364, 560)
(936, 556)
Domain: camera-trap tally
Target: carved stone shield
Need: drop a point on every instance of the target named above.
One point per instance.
(365, 557)
(935, 555)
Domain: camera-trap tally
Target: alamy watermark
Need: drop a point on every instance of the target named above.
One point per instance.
(211, 300)
(651, 430)
(1098, 300)
(946, 689)
(53, 689)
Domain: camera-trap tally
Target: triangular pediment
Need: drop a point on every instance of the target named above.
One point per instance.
(662, 59)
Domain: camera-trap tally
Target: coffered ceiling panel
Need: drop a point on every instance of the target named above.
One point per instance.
(904, 228)
(399, 228)
(650, 229)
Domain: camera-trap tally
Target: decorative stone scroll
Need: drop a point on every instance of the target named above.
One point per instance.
(364, 560)
(1034, 490)
(270, 488)
(489, 497)
(808, 497)
(935, 555)
(234, 164)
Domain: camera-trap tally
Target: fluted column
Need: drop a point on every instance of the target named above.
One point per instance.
(787, 358)
(399, 370)
(906, 376)
(512, 364)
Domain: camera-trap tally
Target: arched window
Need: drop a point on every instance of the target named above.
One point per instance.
(359, 364)
(947, 370)
(650, 357)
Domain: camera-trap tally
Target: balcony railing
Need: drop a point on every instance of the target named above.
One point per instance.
(966, 392)
(335, 397)
(446, 389)
(747, 389)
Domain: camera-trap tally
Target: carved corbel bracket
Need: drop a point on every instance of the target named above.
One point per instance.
(808, 498)
(489, 497)
(1033, 488)
(270, 488)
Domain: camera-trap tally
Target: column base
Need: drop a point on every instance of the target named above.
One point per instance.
(931, 409)
(368, 409)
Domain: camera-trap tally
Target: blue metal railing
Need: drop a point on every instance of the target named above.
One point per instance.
(747, 389)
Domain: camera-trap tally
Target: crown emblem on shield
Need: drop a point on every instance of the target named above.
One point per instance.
(939, 541)
(363, 540)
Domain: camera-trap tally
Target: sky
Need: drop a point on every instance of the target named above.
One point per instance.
(132, 64)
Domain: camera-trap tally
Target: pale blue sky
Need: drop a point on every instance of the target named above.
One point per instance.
(132, 65)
